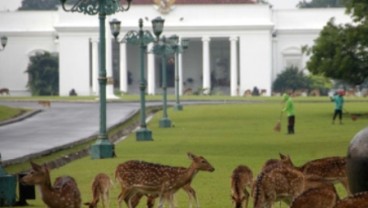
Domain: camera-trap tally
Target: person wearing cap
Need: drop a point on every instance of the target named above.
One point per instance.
(290, 112)
(338, 99)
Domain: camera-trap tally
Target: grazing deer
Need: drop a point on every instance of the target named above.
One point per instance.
(332, 169)
(324, 197)
(100, 188)
(63, 194)
(282, 183)
(241, 178)
(4, 91)
(358, 200)
(156, 179)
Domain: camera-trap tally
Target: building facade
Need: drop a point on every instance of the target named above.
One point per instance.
(235, 45)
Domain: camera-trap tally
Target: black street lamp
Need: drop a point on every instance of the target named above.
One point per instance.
(103, 148)
(163, 49)
(141, 38)
(178, 48)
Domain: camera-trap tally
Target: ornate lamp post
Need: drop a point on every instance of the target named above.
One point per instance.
(178, 48)
(163, 49)
(103, 148)
(141, 38)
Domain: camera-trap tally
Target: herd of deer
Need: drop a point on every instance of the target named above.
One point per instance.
(308, 186)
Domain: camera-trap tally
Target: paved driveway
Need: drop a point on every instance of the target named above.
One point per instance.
(60, 125)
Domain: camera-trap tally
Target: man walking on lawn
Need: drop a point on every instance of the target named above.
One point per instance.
(290, 112)
(339, 105)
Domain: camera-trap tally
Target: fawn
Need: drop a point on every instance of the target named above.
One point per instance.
(4, 91)
(156, 179)
(330, 168)
(241, 178)
(63, 194)
(282, 183)
(151, 198)
(100, 190)
(358, 200)
(324, 196)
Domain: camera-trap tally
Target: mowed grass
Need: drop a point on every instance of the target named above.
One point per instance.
(226, 135)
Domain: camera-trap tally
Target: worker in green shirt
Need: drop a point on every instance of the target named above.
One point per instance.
(339, 105)
(290, 112)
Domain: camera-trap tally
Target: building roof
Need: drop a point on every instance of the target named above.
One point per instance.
(198, 1)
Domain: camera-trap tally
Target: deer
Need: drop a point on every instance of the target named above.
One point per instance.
(324, 196)
(331, 168)
(151, 198)
(357, 200)
(100, 189)
(282, 183)
(45, 103)
(241, 178)
(148, 178)
(64, 193)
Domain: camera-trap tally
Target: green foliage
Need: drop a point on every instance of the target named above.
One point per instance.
(290, 79)
(340, 52)
(43, 71)
(42, 4)
(321, 3)
(358, 9)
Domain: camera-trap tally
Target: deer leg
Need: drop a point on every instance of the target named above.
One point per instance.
(246, 198)
(345, 183)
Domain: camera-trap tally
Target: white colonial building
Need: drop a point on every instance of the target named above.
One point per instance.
(235, 45)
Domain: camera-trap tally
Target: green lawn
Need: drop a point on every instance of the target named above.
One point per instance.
(226, 135)
(8, 112)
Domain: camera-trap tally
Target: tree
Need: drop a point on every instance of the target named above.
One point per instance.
(42, 4)
(43, 71)
(341, 51)
(290, 79)
(321, 3)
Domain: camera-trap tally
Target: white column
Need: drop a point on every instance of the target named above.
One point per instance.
(206, 65)
(109, 85)
(180, 65)
(123, 69)
(95, 68)
(233, 67)
(151, 75)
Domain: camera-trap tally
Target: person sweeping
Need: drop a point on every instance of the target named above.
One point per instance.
(290, 112)
(338, 99)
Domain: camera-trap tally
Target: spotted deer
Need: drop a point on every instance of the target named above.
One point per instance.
(155, 179)
(284, 160)
(358, 200)
(324, 196)
(241, 178)
(63, 194)
(332, 169)
(151, 198)
(282, 183)
(100, 190)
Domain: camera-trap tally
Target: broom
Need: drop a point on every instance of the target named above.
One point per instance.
(277, 127)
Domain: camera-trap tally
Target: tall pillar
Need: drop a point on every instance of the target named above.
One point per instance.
(110, 81)
(151, 75)
(95, 64)
(123, 69)
(206, 65)
(233, 67)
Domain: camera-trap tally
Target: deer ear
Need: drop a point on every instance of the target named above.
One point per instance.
(282, 156)
(35, 166)
(191, 155)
